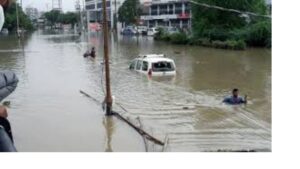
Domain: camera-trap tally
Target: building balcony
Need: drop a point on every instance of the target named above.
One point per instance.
(165, 17)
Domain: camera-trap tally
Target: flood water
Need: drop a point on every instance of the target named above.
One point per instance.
(48, 113)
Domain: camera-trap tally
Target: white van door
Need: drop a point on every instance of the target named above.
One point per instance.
(139, 65)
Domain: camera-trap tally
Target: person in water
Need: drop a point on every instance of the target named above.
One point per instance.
(91, 54)
(235, 99)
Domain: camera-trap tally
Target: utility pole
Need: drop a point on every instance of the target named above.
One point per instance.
(17, 13)
(116, 17)
(108, 98)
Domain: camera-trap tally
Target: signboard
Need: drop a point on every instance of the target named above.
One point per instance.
(95, 27)
(163, 17)
(184, 16)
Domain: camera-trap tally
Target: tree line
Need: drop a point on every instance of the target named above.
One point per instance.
(54, 16)
(11, 18)
(223, 26)
(217, 28)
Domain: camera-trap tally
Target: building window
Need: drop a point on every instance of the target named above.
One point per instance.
(163, 9)
(99, 5)
(90, 7)
(178, 8)
(171, 9)
(187, 8)
(154, 10)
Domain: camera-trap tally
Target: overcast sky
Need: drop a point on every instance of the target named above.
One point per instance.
(68, 5)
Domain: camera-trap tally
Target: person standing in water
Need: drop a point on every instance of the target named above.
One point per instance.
(91, 54)
(235, 99)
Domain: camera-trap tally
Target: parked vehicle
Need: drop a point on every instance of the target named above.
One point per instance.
(4, 31)
(153, 65)
(172, 30)
(128, 31)
(152, 31)
(142, 30)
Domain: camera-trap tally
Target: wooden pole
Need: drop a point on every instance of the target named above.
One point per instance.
(116, 17)
(139, 130)
(17, 14)
(108, 98)
(144, 139)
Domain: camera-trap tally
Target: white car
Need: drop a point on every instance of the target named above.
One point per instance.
(154, 65)
(152, 31)
(142, 30)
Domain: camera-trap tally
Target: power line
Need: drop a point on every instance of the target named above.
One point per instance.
(230, 10)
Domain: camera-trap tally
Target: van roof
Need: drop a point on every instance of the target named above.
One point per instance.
(155, 58)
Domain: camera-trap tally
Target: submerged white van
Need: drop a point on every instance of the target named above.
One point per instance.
(154, 65)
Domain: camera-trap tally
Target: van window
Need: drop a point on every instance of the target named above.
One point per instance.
(163, 66)
(139, 65)
(132, 65)
(145, 66)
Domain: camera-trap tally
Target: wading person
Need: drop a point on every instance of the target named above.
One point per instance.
(91, 54)
(235, 99)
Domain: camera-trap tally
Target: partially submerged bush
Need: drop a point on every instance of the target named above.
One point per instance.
(236, 44)
(260, 34)
(159, 34)
(229, 44)
(179, 38)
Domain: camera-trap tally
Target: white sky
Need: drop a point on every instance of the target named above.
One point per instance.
(68, 5)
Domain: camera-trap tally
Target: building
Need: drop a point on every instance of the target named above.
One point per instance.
(32, 13)
(57, 5)
(94, 10)
(176, 13)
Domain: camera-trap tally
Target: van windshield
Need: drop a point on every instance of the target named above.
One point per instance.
(163, 66)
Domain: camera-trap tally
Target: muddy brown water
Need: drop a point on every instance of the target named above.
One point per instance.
(48, 113)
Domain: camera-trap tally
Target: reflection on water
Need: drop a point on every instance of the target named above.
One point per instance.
(49, 114)
(109, 127)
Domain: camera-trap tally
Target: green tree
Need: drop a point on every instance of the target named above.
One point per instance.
(222, 25)
(55, 16)
(11, 19)
(129, 12)
(52, 17)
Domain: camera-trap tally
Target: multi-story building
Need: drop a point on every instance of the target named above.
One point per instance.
(94, 8)
(176, 13)
(32, 13)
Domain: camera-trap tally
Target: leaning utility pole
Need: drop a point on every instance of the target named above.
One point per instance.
(116, 17)
(108, 98)
(18, 22)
